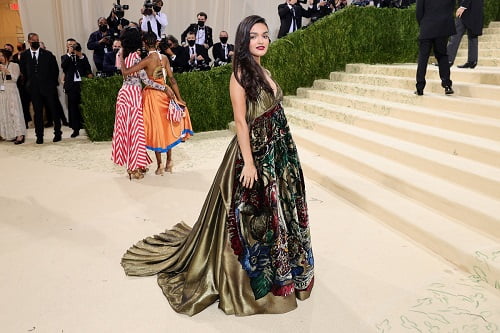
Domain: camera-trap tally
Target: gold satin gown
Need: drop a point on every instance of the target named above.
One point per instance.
(250, 248)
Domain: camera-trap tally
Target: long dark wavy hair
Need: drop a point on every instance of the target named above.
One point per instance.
(246, 70)
(131, 40)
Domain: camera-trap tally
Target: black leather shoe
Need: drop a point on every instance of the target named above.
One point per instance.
(39, 141)
(57, 138)
(419, 92)
(448, 90)
(75, 134)
(468, 64)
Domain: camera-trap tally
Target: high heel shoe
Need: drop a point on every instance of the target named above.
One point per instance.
(135, 174)
(159, 171)
(143, 170)
(18, 142)
(169, 166)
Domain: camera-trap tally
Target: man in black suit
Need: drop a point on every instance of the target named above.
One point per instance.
(435, 18)
(320, 9)
(202, 32)
(100, 42)
(40, 71)
(222, 52)
(469, 18)
(291, 14)
(178, 56)
(198, 54)
(75, 65)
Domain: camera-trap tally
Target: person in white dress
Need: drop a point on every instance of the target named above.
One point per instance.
(12, 125)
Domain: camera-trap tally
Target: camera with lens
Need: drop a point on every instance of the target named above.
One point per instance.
(148, 7)
(119, 9)
(77, 47)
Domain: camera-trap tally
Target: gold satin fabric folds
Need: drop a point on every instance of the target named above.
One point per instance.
(196, 267)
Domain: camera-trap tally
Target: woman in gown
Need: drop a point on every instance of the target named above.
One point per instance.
(12, 125)
(251, 247)
(164, 127)
(128, 144)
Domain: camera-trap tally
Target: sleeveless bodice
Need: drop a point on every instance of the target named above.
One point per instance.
(265, 102)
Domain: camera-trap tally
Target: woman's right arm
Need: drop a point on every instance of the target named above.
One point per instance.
(238, 101)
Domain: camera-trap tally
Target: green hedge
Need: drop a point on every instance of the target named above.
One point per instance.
(353, 35)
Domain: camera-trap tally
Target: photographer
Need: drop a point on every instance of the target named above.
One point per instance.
(321, 8)
(100, 42)
(153, 19)
(116, 20)
(75, 65)
(109, 65)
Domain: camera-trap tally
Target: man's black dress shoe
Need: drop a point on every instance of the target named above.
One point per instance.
(419, 92)
(448, 90)
(75, 134)
(39, 141)
(468, 64)
(57, 138)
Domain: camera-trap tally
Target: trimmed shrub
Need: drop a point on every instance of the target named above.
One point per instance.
(353, 35)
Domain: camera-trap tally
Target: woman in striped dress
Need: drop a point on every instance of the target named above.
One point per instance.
(129, 145)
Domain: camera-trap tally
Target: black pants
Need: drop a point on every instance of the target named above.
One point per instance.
(74, 113)
(49, 101)
(438, 45)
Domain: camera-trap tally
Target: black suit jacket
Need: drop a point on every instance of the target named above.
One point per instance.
(321, 12)
(286, 16)
(435, 18)
(194, 28)
(42, 78)
(219, 54)
(473, 16)
(180, 63)
(200, 50)
(69, 68)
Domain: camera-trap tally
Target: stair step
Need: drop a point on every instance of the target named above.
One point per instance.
(453, 241)
(491, 30)
(478, 149)
(455, 104)
(476, 176)
(468, 124)
(482, 44)
(471, 208)
(489, 37)
(494, 24)
(486, 91)
(492, 53)
(480, 74)
(483, 61)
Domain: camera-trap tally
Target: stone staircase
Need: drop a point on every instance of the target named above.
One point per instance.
(427, 166)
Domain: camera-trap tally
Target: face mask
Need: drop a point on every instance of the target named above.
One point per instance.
(223, 40)
(157, 8)
(35, 45)
(116, 50)
(103, 28)
(191, 42)
(201, 23)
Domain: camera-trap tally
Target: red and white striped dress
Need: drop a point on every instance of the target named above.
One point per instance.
(129, 144)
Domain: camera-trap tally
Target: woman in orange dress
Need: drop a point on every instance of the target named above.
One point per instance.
(166, 117)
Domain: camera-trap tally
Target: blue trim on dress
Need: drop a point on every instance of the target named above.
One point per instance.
(172, 145)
